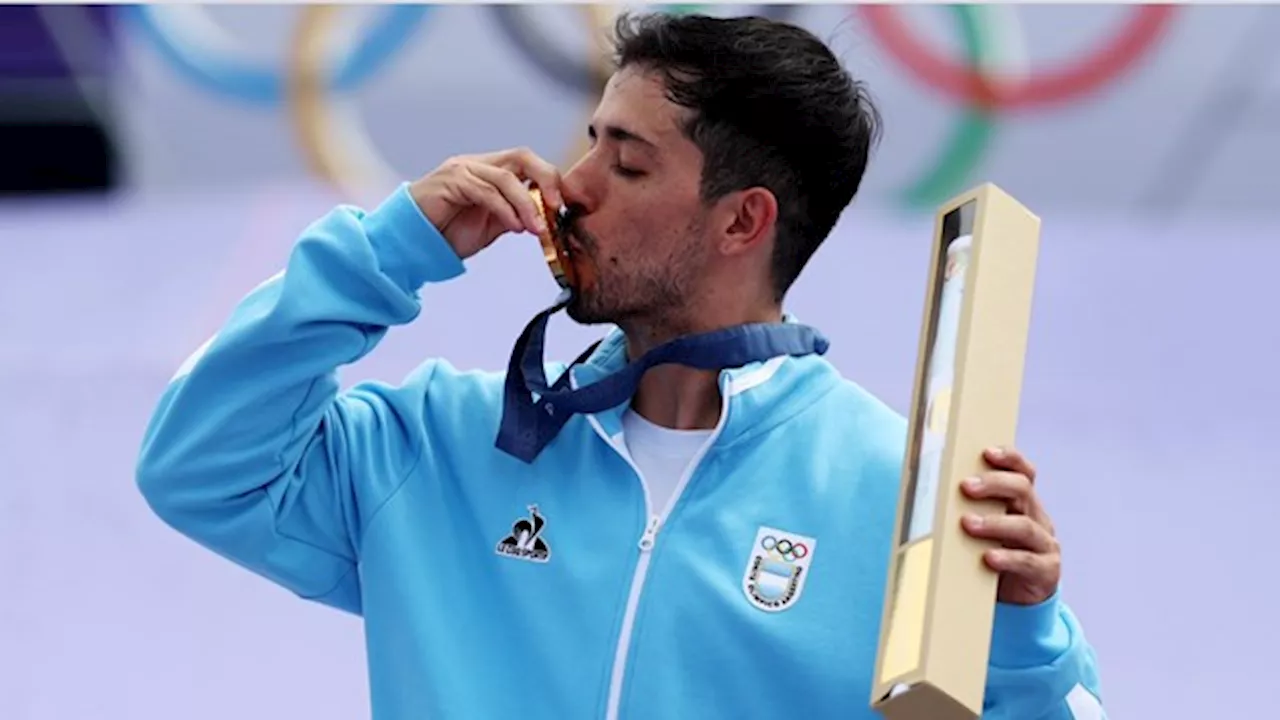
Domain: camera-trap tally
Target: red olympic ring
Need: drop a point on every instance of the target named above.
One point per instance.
(1101, 65)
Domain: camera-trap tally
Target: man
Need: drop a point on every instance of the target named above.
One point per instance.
(606, 573)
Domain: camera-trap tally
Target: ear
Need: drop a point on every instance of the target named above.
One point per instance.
(746, 219)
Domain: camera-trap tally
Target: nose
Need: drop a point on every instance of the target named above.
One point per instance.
(580, 192)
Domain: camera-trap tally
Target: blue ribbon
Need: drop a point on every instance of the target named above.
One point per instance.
(529, 424)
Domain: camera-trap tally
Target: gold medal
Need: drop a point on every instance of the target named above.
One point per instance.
(553, 245)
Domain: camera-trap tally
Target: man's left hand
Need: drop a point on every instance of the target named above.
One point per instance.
(1029, 560)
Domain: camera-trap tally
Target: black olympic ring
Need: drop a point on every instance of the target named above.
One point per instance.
(784, 547)
(578, 74)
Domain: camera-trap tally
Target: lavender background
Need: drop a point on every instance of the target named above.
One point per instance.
(1149, 400)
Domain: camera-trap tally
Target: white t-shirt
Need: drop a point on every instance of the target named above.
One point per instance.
(662, 454)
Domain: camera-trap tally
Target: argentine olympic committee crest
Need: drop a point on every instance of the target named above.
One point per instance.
(777, 568)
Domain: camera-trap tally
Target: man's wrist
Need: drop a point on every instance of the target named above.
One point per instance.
(409, 248)
(1028, 635)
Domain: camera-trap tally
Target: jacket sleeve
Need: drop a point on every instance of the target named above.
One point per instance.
(1041, 666)
(254, 453)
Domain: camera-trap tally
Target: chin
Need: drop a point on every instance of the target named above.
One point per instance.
(583, 313)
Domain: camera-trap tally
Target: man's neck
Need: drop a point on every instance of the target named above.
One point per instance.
(676, 396)
(679, 397)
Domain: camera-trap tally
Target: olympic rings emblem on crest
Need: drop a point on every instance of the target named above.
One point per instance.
(785, 549)
(992, 79)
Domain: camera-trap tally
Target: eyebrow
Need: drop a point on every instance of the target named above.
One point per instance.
(621, 134)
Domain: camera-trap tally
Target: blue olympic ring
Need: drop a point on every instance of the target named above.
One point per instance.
(246, 80)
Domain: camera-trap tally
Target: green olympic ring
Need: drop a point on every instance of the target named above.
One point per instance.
(969, 138)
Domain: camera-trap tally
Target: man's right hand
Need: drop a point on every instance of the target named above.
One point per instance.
(472, 199)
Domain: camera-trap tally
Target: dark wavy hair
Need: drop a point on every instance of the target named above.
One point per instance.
(771, 107)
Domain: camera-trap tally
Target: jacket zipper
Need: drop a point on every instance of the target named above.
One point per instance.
(653, 525)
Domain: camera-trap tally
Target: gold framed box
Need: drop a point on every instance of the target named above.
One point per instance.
(940, 597)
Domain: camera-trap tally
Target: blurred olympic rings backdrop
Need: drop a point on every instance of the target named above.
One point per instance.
(992, 78)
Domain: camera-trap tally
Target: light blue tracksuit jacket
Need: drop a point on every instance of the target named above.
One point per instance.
(491, 588)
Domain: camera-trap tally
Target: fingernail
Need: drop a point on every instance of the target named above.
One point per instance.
(995, 451)
(974, 521)
(973, 483)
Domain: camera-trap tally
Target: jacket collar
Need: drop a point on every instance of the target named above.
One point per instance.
(757, 396)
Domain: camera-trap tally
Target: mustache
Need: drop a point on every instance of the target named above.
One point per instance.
(568, 226)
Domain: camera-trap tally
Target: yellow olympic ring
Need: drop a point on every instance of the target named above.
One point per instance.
(333, 139)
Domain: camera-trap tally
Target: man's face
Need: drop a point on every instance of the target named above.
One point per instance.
(639, 244)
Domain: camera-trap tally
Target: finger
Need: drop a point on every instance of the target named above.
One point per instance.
(481, 193)
(999, 485)
(1036, 568)
(527, 165)
(1018, 532)
(1007, 458)
(516, 194)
